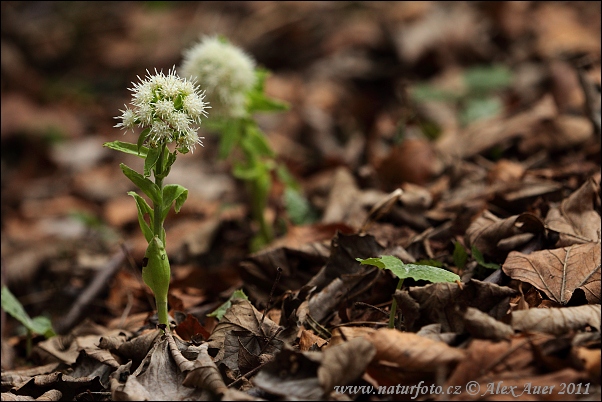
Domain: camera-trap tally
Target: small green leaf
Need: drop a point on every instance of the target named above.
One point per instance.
(143, 209)
(127, 148)
(480, 108)
(39, 325)
(142, 137)
(231, 133)
(416, 272)
(481, 261)
(255, 142)
(221, 310)
(299, 210)
(484, 79)
(151, 160)
(148, 187)
(257, 101)
(171, 193)
(460, 255)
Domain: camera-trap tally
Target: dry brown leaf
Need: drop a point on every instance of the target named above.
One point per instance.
(557, 321)
(483, 326)
(309, 339)
(489, 358)
(576, 219)
(559, 272)
(411, 352)
(241, 316)
(493, 236)
(442, 302)
(344, 363)
(343, 334)
(591, 360)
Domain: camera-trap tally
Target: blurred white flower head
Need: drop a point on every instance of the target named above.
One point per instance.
(224, 70)
(170, 108)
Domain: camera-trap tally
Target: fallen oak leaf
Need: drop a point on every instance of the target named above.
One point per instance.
(559, 272)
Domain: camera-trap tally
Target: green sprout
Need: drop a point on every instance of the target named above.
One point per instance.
(414, 271)
(169, 110)
(37, 325)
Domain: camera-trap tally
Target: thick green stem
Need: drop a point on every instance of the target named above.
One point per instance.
(158, 231)
(393, 312)
(162, 313)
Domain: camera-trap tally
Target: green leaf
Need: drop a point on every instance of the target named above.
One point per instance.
(481, 261)
(484, 79)
(257, 101)
(127, 148)
(287, 178)
(231, 133)
(221, 310)
(151, 160)
(246, 172)
(460, 255)
(39, 325)
(143, 209)
(298, 208)
(480, 108)
(416, 272)
(428, 92)
(142, 137)
(171, 193)
(256, 143)
(148, 187)
(156, 273)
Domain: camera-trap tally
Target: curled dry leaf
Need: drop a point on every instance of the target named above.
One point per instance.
(557, 321)
(481, 325)
(575, 219)
(559, 272)
(494, 237)
(200, 373)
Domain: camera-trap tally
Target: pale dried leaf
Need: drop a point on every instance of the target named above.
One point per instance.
(557, 321)
(559, 272)
(411, 352)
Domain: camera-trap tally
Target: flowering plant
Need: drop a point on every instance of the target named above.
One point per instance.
(168, 109)
(235, 88)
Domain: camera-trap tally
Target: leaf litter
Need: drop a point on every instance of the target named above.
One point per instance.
(445, 134)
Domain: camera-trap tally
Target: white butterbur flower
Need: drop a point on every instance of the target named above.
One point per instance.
(170, 107)
(224, 70)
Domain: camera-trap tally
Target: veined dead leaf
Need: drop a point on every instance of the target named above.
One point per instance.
(575, 219)
(559, 272)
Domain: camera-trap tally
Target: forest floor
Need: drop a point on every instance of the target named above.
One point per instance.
(461, 136)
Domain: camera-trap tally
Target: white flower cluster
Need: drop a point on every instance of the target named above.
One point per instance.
(170, 107)
(225, 71)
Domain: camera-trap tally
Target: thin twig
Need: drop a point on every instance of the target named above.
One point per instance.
(87, 296)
